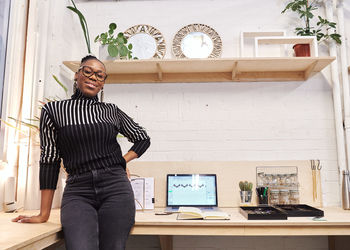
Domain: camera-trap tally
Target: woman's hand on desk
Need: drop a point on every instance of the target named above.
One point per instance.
(45, 209)
(31, 219)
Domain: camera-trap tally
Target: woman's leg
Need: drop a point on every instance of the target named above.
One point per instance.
(79, 216)
(116, 215)
(80, 226)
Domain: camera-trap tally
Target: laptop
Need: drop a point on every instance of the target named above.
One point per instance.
(191, 190)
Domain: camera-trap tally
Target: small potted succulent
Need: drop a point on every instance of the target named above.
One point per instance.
(323, 30)
(112, 46)
(245, 191)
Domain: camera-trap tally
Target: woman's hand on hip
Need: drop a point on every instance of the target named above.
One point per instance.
(30, 219)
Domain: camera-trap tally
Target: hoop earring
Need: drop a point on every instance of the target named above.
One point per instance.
(102, 94)
(75, 86)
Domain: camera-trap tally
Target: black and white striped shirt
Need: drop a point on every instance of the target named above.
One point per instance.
(82, 132)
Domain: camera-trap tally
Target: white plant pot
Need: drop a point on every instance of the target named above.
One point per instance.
(103, 54)
(246, 197)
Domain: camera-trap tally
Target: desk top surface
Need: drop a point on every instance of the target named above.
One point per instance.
(332, 216)
(16, 235)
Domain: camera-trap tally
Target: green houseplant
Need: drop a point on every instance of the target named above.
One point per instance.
(116, 44)
(245, 186)
(323, 30)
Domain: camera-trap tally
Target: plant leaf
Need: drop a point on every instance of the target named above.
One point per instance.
(83, 25)
(124, 51)
(336, 38)
(112, 26)
(61, 84)
(112, 50)
(120, 40)
(12, 126)
(29, 125)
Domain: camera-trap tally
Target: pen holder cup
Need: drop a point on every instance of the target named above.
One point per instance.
(263, 200)
(246, 197)
(263, 197)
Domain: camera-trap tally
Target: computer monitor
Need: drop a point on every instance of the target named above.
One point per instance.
(195, 190)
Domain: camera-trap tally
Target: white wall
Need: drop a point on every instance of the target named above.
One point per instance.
(212, 121)
(223, 121)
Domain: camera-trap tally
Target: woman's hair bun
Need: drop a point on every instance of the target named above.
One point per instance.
(88, 57)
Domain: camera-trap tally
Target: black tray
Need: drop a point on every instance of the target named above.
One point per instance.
(262, 213)
(300, 210)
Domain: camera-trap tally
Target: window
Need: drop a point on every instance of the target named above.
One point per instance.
(4, 20)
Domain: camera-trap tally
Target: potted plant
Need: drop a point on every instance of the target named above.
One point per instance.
(116, 46)
(245, 191)
(323, 30)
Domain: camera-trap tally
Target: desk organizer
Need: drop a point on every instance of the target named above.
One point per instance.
(262, 213)
(300, 210)
(281, 182)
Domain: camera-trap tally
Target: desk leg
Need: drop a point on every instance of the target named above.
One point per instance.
(166, 242)
(331, 242)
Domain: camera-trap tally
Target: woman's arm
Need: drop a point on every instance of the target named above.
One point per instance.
(49, 168)
(45, 209)
(129, 156)
(135, 134)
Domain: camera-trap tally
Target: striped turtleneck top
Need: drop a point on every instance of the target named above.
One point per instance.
(83, 133)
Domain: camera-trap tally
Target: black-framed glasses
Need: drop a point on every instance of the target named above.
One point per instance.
(88, 72)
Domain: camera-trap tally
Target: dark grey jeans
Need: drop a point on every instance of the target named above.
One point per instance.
(98, 210)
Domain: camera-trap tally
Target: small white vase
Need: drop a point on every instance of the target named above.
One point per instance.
(103, 54)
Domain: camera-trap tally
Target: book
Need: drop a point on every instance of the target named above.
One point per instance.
(194, 213)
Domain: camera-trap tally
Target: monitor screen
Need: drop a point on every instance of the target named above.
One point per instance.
(191, 190)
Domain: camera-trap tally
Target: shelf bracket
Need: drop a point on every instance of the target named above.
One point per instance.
(160, 73)
(309, 70)
(234, 70)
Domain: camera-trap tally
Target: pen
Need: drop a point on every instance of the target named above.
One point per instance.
(265, 190)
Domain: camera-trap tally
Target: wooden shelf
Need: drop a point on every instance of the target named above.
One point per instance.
(253, 69)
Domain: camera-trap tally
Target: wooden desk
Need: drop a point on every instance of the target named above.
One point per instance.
(29, 236)
(337, 223)
(38, 236)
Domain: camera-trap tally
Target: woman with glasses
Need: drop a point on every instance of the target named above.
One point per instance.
(98, 209)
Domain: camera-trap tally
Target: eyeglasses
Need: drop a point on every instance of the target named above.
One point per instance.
(88, 72)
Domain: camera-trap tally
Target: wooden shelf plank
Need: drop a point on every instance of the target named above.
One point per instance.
(212, 70)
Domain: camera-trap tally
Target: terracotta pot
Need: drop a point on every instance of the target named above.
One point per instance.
(302, 49)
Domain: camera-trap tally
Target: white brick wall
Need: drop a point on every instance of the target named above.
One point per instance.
(213, 121)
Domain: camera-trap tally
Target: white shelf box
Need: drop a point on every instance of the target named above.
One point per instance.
(287, 40)
(252, 34)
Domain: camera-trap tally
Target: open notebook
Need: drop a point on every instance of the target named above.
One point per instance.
(191, 190)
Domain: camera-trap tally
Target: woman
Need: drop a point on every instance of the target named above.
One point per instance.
(98, 208)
